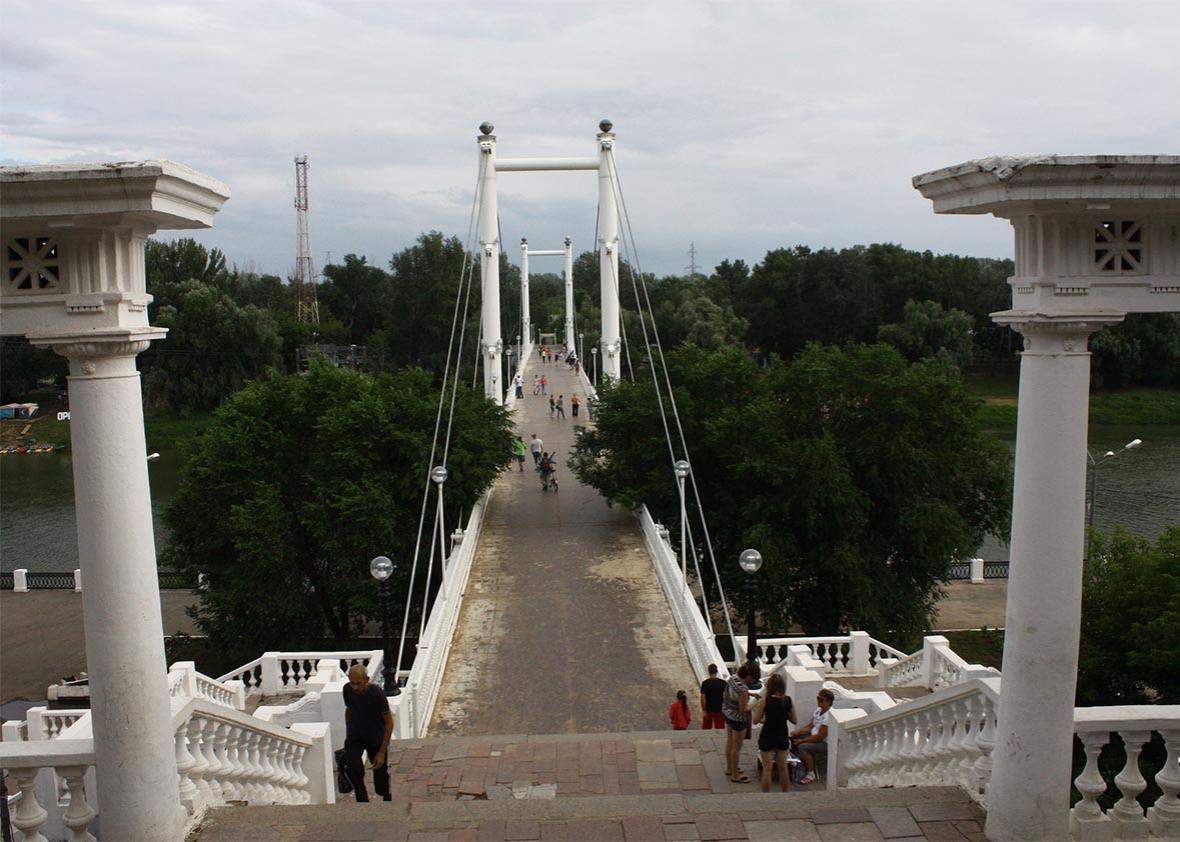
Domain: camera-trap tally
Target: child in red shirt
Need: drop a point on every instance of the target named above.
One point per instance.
(679, 712)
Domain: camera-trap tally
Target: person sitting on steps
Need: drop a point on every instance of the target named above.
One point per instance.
(811, 741)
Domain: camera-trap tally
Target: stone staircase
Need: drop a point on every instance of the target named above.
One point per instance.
(644, 785)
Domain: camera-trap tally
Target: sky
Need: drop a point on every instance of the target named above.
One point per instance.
(741, 126)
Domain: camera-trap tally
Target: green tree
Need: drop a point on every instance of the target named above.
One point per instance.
(168, 267)
(927, 330)
(1130, 650)
(860, 476)
(307, 478)
(213, 347)
(358, 295)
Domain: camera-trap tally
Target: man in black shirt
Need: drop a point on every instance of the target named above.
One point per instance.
(369, 728)
(712, 692)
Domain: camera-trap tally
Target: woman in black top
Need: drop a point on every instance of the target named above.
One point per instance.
(774, 710)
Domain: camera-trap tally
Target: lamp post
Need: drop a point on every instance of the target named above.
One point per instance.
(509, 354)
(381, 568)
(594, 355)
(519, 355)
(750, 562)
(682, 470)
(581, 346)
(1094, 463)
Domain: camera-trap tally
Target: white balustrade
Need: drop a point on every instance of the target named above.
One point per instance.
(69, 760)
(1127, 819)
(46, 724)
(282, 673)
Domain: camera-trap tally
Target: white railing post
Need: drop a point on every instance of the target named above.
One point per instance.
(269, 679)
(77, 580)
(78, 813)
(930, 643)
(238, 688)
(20, 580)
(317, 761)
(29, 816)
(977, 571)
(836, 775)
(858, 652)
(1164, 816)
(802, 686)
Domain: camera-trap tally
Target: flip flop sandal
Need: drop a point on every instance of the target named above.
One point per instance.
(742, 780)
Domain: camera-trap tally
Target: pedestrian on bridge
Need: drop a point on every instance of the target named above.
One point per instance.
(561, 407)
(679, 712)
(536, 384)
(538, 448)
(552, 406)
(574, 404)
(368, 728)
(544, 383)
(518, 451)
(735, 705)
(712, 694)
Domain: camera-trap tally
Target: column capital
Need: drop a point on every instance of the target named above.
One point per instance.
(99, 354)
(1046, 335)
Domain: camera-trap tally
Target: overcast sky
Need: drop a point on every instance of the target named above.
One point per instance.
(741, 126)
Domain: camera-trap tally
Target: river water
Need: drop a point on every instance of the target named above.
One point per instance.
(1139, 490)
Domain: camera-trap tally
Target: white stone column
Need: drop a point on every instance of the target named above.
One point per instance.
(133, 736)
(608, 254)
(489, 264)
(1028, 796)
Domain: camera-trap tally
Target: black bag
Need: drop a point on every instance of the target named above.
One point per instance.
(343, 784)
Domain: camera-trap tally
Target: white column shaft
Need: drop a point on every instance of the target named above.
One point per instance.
(1028, 795)
(134, 746)
(608, 255)
(489, 257)
(569, 293)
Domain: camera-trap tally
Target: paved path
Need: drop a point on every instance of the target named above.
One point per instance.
(643, 786)
(564, 627)
(41, 637)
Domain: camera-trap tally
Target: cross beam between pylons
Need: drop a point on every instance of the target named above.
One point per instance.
(489, 242)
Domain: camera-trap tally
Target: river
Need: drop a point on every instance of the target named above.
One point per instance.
(1139, 490)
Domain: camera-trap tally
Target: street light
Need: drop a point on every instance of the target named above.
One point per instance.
(594, 355)
(581, 347)
(509, 355)
(751, 562)
(1094, 464)
(682, 470)
(152, 457)
(381, 568)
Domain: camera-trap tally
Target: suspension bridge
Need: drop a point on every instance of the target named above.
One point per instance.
(561, 628)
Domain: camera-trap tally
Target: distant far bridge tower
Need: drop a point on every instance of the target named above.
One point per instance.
(307, 308)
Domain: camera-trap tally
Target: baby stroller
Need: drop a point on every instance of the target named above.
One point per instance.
(548, 471)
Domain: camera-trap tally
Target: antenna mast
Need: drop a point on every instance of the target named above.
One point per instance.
(307, 309)
(692, 258)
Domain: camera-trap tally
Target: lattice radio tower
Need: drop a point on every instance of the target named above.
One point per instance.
(307, 308)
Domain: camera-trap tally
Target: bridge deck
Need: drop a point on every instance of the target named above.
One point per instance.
(564, 627)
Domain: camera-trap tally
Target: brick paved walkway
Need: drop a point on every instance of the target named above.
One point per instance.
(642, 786)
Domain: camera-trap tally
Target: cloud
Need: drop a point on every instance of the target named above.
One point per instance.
(742, 127)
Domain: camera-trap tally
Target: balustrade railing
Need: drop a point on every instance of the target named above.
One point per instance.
(1127, 819)
(69, 760)
(24, 580)
(185, 680)
(280, 673)
(855, 653)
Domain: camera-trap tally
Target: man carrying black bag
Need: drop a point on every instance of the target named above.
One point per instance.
(369, 728)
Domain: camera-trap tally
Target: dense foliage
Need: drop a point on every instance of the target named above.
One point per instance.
(858, 475)
(298, 481)
(1130, 651)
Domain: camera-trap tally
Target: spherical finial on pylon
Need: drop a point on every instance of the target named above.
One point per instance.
(606, 125)
(486, 128)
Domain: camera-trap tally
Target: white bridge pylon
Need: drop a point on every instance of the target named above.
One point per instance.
(489, 251)
(568, 254)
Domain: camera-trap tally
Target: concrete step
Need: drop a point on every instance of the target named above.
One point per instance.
(912, 812)
(646, 785)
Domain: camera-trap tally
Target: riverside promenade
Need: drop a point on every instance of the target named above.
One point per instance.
(564, 627)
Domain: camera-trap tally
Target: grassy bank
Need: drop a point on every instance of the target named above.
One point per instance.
(984, 646)
(163, 431)
(1138, 407)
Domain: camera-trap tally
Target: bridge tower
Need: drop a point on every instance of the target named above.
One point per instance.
(489, 242)
(307, 308)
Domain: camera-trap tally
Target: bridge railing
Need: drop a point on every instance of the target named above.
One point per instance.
(699, 643)
(414, 707)
(287, 673)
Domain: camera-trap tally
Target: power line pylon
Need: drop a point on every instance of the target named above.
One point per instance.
(692, 265)
(307, 308)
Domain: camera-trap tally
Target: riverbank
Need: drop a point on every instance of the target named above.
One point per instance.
(164, 431)
(1137, 407)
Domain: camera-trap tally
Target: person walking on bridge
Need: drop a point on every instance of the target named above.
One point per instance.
(368, 728)
(561, 407)
(518, 451)
(574, 404)
(538, 448)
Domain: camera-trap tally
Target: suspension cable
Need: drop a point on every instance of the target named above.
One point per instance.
(671, 396)
(465, 272)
